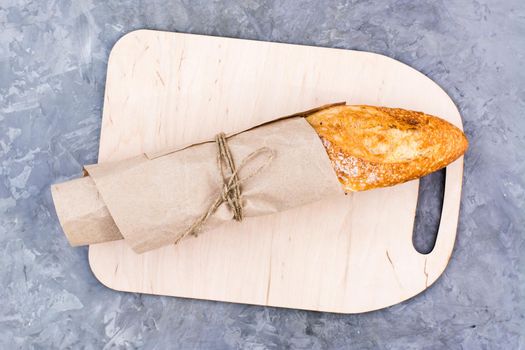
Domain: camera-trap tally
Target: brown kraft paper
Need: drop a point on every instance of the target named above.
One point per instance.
(151, 201)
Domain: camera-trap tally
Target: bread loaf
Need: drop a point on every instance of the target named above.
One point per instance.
(368, 147)
(372, 147)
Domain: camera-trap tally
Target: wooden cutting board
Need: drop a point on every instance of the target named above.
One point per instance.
(349, 254)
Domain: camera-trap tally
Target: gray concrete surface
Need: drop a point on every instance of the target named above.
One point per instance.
(53, 57)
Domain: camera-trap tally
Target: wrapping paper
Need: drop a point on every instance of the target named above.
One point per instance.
(150, 200)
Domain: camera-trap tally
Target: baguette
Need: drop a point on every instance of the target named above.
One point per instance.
(372, 147)
(368, 147)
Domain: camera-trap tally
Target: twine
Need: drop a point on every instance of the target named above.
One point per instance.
(230, 192)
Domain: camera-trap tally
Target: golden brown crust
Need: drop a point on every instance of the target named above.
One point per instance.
(373, 147)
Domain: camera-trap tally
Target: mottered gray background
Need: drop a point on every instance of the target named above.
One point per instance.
(53, 58)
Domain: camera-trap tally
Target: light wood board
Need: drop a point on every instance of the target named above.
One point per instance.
(349, 254)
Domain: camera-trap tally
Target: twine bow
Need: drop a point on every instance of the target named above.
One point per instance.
(230, 192)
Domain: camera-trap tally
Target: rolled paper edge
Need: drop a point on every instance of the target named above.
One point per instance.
(82, 213)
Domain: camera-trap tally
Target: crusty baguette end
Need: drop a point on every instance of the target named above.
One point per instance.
(372, 147)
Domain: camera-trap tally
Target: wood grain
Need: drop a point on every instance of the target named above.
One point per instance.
(350, 254)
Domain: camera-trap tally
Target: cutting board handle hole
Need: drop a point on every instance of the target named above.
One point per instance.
(428, 211)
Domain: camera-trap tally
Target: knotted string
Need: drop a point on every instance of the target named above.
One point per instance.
(231, 186)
